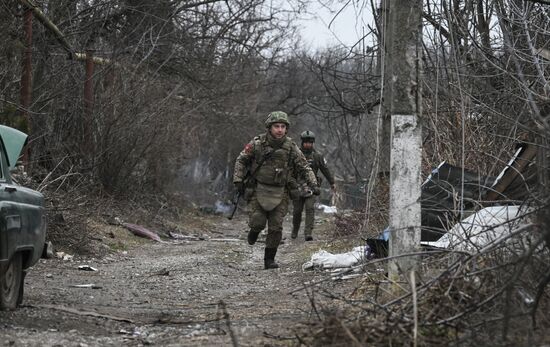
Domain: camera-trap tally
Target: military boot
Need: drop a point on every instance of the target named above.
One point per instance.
(269, 258)
(308, 234)
(253, 236)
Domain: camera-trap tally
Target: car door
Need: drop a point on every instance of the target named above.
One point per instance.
(10, 212)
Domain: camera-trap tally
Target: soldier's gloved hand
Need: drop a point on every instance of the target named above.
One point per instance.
(316, 190)
(239, 186)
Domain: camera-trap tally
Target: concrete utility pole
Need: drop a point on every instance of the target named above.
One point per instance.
(404, 37)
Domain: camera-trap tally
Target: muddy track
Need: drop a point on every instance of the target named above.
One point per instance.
(207, 293)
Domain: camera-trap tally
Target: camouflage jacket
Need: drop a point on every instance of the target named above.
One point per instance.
(278, 165)
(317, 162)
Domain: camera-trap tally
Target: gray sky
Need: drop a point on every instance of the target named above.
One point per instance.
(346, 27)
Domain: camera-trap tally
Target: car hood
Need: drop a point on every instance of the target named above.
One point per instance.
(13, 140)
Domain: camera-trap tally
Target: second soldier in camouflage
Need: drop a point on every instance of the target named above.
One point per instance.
(317, 162)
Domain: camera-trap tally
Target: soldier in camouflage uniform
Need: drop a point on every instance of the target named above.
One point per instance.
(316, 162)
(262, 171)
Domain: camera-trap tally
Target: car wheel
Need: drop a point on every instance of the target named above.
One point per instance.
(10, 283)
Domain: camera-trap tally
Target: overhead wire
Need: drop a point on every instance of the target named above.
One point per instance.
(372, 182)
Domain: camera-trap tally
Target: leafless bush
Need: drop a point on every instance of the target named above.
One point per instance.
(495, 295)
(179, 79)
(347, 224)
(68, 216)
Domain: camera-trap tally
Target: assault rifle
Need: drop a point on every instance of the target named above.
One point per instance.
(235, 204)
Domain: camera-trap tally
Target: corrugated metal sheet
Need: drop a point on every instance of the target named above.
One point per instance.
(441, 196)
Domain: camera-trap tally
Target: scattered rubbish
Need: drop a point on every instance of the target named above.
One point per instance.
(139, 230)
(177, 236)
(378, 247)
(200, 238)
(49, 275)
(162, 272)
(480, 228)
(342, 274)
(327, 209)
(326, 260)
(86, 268)
(369, 252)
(64, 256)
(89, 285)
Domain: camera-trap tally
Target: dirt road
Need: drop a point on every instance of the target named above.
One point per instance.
(211, 292)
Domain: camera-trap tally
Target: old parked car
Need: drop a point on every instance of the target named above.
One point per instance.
(22, 222)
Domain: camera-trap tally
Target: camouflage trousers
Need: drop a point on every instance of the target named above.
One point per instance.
(298, 208)
(258, 217)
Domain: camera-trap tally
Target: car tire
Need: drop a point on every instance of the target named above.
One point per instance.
(11, 283)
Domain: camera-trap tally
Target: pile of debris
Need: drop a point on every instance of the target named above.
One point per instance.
(462, 207)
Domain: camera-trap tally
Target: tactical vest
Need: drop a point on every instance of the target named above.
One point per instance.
(275, 168)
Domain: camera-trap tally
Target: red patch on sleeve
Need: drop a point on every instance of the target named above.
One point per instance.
(248, 148)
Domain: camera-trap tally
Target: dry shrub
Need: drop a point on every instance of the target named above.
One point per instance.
(81, 221)
(348, 223)
(494, 296)
(366, 224)
(68, 229)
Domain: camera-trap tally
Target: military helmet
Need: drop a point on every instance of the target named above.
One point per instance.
(277, 117)
(307, 136)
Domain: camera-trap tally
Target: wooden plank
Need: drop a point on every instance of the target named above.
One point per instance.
(512, 171)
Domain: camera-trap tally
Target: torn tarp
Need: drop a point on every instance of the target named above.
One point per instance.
(326, 260)
(481, 228)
